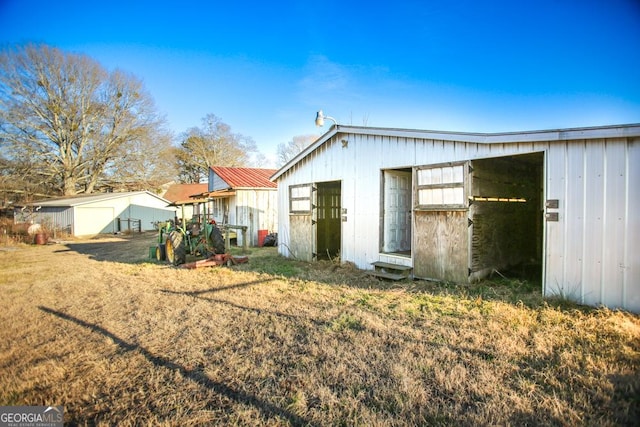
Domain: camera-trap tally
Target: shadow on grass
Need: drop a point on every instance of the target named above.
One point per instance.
(199, 295)
(217, 289)
(198, 377)
(128, 249)
(134, 249)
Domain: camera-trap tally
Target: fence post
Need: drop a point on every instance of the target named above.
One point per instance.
(244, 240)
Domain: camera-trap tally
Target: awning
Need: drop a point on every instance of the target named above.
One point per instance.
(187, 202)
(222, 193)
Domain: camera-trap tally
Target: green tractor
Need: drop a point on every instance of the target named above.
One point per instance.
(176, 241)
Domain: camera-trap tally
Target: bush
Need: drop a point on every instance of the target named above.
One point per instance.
(11, 233)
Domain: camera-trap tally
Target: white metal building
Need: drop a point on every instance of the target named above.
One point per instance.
(244, 196)
(559, 204)
(92, 214)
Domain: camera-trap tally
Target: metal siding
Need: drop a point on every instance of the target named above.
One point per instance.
(256, 209)
(574, 207)
(554, 237)
(91, 220)
(244, 215)
(283, 216)
(590, 252)
(593, 225)
(614, 224)
(59, 217)
(364, 218)
(591, 256)
(148, 209)
(591, 220)
(216, 183)
(631, 278)
(148, 215)
(210, 180)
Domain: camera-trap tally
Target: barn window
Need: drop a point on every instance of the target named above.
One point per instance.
(441, 186)
(300, 199)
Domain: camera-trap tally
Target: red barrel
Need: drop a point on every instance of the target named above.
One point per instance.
(261, 235)
(41, 239)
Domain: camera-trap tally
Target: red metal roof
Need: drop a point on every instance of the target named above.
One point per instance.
(246, 177)
(183, 192)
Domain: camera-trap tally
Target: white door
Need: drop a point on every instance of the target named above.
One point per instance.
(397, 211)
(94, 220)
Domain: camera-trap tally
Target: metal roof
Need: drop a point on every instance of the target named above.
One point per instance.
(245, 177)
(611, 131)
(84, 199)
(178, 193)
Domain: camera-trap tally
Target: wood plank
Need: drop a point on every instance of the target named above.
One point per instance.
(383, 275)
(388, 265)
(300, 242)
(441, 246)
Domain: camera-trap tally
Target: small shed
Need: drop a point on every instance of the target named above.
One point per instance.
(187, 196)
(245, 196)
(86, 215)
(560, 206)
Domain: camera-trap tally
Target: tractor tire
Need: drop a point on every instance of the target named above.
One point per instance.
(175, 248)
(217, 240)
(161, 252)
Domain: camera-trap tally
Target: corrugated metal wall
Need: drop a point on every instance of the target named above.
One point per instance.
(58, 217)
(258, 210)
(148, 209)
(591, 253)
(593, 250)
(101, 216)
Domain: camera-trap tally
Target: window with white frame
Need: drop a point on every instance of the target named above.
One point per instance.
(300, 199)
(441, 186)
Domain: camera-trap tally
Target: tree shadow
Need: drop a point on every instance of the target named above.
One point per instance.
(126, 249)
(268, 409)
(198, 294)
(217, 289)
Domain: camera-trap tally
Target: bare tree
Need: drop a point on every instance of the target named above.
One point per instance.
(68, 116)
(289, 150)
(213, 144)
(143, 164)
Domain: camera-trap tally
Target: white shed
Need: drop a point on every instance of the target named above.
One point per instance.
(245, 196)
(92, 214)
(560, 205)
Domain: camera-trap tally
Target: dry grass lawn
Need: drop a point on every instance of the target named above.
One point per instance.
(121, 340)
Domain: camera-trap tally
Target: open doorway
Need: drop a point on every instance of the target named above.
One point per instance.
(506, 217)
(396, 212)
(328, 220)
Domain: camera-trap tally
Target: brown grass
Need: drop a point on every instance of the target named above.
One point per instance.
(118, 339)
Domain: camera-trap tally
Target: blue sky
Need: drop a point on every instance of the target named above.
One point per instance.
(265, 68)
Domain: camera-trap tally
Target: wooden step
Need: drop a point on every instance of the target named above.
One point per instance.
(385, 275)
(389, 266)
(390, 271)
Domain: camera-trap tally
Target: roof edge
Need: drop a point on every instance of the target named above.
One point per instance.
(593, 132)
(107, 196)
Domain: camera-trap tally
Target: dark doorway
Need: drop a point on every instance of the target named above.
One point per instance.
(506, 216)
(328, 220)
